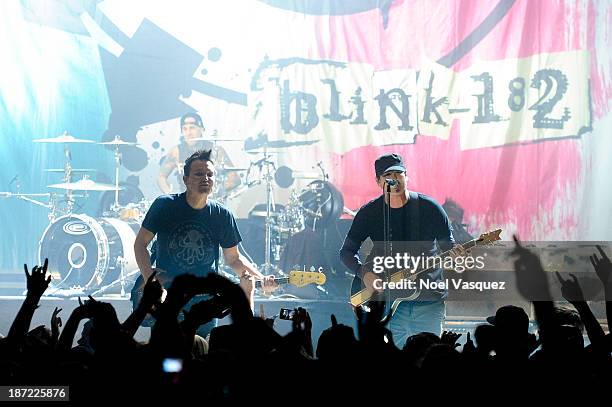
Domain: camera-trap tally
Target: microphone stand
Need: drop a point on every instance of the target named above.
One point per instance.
(388, 244)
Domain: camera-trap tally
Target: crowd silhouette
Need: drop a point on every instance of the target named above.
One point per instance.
(249, 360)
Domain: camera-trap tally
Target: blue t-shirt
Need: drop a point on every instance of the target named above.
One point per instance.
(188, 239)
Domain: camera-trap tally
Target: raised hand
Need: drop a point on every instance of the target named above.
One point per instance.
(56, 323)
(370, 325)
(302, 328)
(468, 347)
(530, 275)
(570, 289)
(450, 338)
(262, 315)
(603, 267)
(301, 320)
(86, 309)
(182, 289)
(36, 282)
(232, 293)
(204, 311)
(152, 292)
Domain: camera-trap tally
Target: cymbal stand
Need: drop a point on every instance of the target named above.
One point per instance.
(31, 198)
(121, 280)
(268, 175)
(68, 178)
(117, 165)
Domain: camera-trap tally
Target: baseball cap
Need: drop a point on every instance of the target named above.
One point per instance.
(388, 162)
(194, 116)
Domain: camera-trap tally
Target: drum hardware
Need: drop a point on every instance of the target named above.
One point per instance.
(65, 139)
(121, 262)
(69, 196)
(71, 170)
(269, 166)
(285, 176)
(262, 141)
(223, 173)
(214, 139)
(30, 198)
(117, 142)
(262, 151)
(324, 174)
(52, 204)
(349, 212)
(322, 202)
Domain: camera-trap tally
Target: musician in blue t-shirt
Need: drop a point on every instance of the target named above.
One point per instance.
(190, 227)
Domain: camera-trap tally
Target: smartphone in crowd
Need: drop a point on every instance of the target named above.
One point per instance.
(286, 313)
(171, 365)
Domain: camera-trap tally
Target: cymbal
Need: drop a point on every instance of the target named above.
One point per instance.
(85, 185)
(262, 151)
(118, 143)
(262, 141)
(64, 138)
(215, 139)
(306, 175)
(71, 170)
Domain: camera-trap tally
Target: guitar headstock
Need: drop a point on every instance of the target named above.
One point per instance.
(303, 278)
(489, 237)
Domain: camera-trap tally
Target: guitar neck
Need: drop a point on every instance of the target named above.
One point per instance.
(465, 246)
(278, 280)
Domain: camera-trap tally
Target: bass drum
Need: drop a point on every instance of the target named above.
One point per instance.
(322, 204)
(86, 252)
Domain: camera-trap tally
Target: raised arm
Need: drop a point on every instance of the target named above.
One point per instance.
(36, 285)
(603, 269)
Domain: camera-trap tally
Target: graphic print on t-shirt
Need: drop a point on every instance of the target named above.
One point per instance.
(190, 246)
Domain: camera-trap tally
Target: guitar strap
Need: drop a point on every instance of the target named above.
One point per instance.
(217, 259)
(415, 224)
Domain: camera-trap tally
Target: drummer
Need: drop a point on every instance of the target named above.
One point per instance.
(192, 129)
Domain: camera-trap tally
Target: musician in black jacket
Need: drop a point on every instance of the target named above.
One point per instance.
(417, 225)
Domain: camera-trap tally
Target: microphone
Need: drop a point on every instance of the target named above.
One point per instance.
(391, 182)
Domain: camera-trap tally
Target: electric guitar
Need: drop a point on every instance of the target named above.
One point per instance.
(296, 278)
(360, 294)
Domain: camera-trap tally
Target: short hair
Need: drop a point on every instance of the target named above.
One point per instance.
(194, 116)
(203, 155)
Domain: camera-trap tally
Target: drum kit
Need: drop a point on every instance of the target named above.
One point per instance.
(94, 255)
(313, 207)
(87, 255)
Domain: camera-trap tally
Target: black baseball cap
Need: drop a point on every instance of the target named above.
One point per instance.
(388, 162)
(194, 116)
